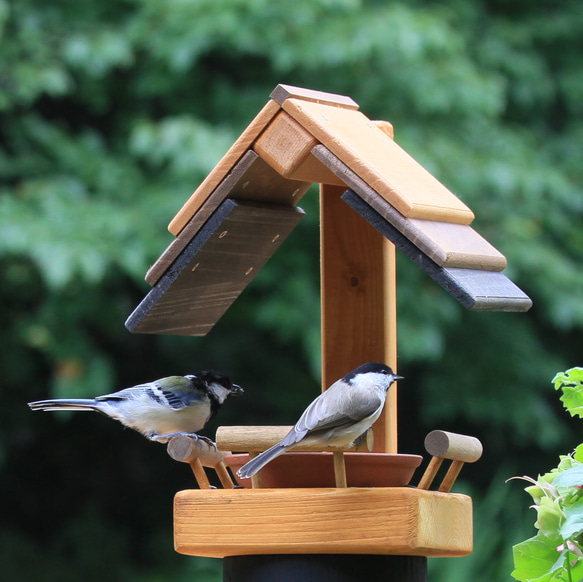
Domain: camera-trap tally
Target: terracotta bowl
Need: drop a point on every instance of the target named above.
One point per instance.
(317, 470)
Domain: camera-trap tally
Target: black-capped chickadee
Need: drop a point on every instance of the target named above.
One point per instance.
(160, 409)
(338, 416)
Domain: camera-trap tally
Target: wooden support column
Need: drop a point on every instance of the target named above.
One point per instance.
(358, 301)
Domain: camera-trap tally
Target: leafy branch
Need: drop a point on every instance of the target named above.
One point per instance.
(555, 553)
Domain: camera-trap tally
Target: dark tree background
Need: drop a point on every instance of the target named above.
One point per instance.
(111, 114)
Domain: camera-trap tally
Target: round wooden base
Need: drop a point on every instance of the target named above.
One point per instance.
(324, 568)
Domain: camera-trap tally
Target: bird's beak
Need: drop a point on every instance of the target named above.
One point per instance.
(397, 377)
(236, 389)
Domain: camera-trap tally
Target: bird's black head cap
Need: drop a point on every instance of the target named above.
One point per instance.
(373, 367)
(211, 377)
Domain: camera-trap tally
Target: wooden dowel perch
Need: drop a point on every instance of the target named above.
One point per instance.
(256, 439)
(199, 454)
(458, 448)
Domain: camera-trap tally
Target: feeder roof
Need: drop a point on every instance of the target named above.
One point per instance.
(241, 213)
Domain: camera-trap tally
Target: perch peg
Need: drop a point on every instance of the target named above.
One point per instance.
(458, 448)
(256, 439)
(199, 454)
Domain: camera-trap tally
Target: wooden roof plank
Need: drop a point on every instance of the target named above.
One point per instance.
(233, 155)
(450, 245)
(250, 179)
(214, 268)
(475, 289)
(283, 92)
(379, 161)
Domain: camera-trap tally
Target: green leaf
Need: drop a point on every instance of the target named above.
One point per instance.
(570, 478)
(571, 384)
(535, 559)
(578, 454)
(577, 571)
(573, 524)
(536, 492)
(550, 516)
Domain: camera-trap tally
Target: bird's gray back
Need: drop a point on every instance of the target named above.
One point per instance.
(337, 407)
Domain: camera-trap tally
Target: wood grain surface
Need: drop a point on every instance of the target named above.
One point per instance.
(358, 302)
(380, 520)
(233, 155)
(447, 244)
(287, 147)
(283, 92)
(379, 161)
(475, 289)
(250, 179)
(214, 268)
(256, 439)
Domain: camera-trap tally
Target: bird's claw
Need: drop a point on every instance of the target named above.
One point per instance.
(208, 441)
(164, 438)
(359, 440)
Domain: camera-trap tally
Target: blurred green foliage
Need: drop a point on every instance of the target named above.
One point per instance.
(111, 114)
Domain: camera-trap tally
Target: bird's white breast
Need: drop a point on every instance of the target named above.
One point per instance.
(149, 417)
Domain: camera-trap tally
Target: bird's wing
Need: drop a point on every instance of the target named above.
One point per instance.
(125, 394)
(175, 392)
(334, 408)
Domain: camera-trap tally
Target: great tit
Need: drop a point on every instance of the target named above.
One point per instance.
(338, 416)
(161, 409)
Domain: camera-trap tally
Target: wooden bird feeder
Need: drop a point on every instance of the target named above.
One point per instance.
(374, 198)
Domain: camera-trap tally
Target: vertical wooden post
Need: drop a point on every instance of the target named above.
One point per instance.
(390, 338)
(358, 301)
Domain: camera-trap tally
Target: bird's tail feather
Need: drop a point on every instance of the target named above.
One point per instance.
(64, 404)
(249, 469)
